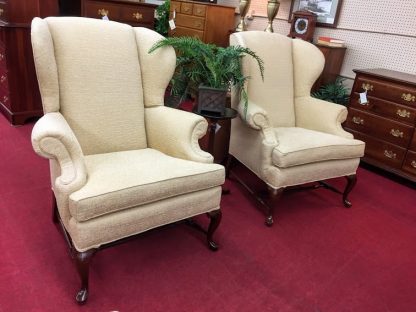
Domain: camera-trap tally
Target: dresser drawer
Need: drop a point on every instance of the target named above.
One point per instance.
(96, 9)
(385, 108)
(137, 14)
(186, 8)
(4, 16)
(409, 164)
(175, 6)
(190, 21)
(383, 152)
(199, 10)
(394, 92)
(187, 32)
(383, 128)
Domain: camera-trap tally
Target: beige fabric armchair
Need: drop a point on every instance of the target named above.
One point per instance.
(286, 137)
(121, 162)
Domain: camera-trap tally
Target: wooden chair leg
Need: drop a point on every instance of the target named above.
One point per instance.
(82, 262)
(351, 181)
(229, 163)
(55, 218)
(274, 195)
(215, 217)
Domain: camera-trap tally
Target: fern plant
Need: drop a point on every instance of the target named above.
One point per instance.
(162, 18)
(334, 92)
(207, 64)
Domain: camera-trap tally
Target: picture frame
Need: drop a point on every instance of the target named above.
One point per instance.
(327, 11)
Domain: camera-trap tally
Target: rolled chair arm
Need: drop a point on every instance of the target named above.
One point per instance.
(52, 138)
(319, 115)
(176, 133)
(256, 118)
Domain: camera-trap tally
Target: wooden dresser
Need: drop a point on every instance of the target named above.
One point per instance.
(387, 121)
(334, 57)
(133, 12)
(19, 91)
(211, 23)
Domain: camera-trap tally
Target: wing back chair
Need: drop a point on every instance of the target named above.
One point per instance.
(121, 163)
(285, 136)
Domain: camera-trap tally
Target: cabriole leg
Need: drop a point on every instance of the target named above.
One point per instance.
(351, 181)
(274, 195)
(215, 217)
(82, 262)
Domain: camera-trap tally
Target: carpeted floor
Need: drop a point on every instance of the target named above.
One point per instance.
(317, 257)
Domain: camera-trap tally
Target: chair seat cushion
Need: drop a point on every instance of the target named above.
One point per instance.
(122, 180)
(298, 146)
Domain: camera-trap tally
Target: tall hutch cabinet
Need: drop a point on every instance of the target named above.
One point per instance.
(19, 92)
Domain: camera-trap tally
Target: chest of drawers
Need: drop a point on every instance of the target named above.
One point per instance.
(19, 91)
(211, 23)
(133, 12)
(386, 122)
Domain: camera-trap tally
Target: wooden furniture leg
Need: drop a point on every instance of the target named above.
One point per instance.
(351, 181)
(215, 217)
(82, 262)
(274, 195)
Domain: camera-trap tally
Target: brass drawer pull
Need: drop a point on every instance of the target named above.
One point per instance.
(5, 99)
(3, 78)
(198, 24)
(396, 133)
(413, 164)
(198, 11)
(403, 113)
(1, 12)
(358, 120)
(186, 9)
(390, 154)
(138, 16)
(408, 97)
(103, 12)
(367, 87)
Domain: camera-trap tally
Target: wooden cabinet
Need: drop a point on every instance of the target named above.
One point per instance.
(334, 56)
(209, 22)
(386, 122)
(19, 91)
(136, 13)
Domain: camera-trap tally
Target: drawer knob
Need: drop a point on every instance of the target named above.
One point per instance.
(198, 11)
(367, 87)
(408, 97)
(390, 154)
(186, 9)
(5, 99)
(403, 113)
(1, 12)
(198, 24)
(358, 120)
(3, 78)
(396, 133)
(103, 12)
(138, 16)
(413, 164)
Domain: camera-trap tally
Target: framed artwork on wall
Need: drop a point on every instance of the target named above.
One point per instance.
(327, 11)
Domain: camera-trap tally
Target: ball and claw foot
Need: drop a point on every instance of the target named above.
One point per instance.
(347, 203)
(82, 296)
(269, 221)
(212, 245)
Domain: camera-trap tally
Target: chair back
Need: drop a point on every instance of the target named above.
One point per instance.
(276, 93)
(89, 71)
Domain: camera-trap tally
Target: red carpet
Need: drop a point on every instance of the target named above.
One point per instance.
(317, 257)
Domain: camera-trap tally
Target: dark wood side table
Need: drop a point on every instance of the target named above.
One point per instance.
(334, 56)
(213, 123)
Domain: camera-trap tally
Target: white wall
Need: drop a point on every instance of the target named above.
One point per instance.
(378, 33)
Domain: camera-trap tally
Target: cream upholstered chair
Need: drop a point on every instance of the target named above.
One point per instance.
(286, 137)
(121, 162)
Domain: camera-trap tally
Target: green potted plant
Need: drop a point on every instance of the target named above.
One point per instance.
(162, 18)
(334, 92)
(202, 67)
